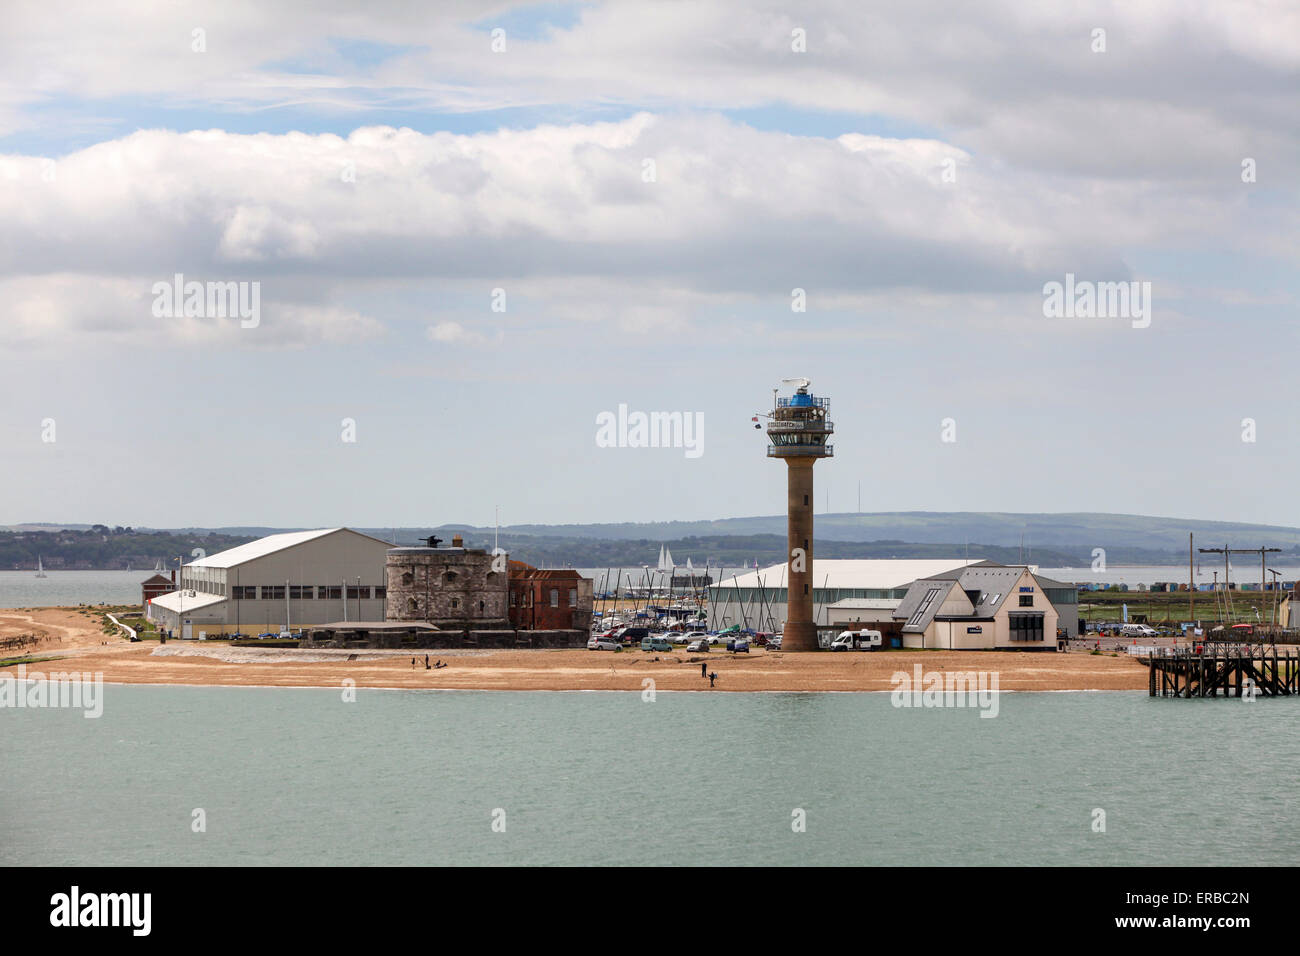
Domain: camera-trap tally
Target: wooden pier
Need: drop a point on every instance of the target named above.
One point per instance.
(1233, 671)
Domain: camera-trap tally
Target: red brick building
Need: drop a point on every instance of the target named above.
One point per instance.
(549, 599)
(156, 586)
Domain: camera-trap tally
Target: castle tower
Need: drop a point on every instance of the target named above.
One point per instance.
(797, 430)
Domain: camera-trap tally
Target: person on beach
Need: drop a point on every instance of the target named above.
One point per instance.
(426, 662)
(712, 678)
(704, 669)
(412, 663)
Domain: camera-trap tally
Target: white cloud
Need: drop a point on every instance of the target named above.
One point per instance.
(453, 333)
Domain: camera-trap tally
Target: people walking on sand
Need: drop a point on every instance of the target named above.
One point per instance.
(426, 662)
(412, 663)
(704, 668)
(712, 678)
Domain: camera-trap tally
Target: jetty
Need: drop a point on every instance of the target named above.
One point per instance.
(1239, 670)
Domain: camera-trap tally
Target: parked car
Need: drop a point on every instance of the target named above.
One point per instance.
(603, 644)
(740, 646)
(697, 647)
(631, 633)
(692, 636)
(1137, 630)
(656, 642)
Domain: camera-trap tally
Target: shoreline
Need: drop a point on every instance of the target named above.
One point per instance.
(77, 639)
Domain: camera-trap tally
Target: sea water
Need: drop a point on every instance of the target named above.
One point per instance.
(254, 776)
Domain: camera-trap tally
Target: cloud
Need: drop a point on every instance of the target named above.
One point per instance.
(727, 206)
(1017, 83)
(453, 333)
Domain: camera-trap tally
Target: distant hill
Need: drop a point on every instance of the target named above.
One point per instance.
(1049, 540)
(1077, 533)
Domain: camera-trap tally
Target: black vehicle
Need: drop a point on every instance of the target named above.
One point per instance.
(632, 635)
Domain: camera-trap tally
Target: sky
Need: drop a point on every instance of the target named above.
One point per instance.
(465, 233)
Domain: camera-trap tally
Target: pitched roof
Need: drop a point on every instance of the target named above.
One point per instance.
(881, 574)
(180, 601)
(272, 543)
(985, 586)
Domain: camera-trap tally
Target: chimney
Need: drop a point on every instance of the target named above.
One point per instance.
(173, 575)
(457, 541)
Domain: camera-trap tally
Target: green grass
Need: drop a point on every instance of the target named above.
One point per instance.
(13, 661)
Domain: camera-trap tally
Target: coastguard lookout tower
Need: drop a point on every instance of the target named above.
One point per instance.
(797, 430)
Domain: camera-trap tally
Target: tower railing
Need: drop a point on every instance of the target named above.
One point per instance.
(797, 451)
(813, 402)
(796, 425)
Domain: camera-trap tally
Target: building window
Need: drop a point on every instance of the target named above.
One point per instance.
(381, 593)
(1026, 627)
(1026, 600)
(274, 592)
(455, 603)
(412, 604)
(300, 592)
(555, 597)
(362, 593)
(924, 606)
(573, 597)
(451, 577)
(407, 579)
(481, 606)
(327, 593)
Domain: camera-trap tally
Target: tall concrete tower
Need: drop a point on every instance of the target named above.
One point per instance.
(798, 430)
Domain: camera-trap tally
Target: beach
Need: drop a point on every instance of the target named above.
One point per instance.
(77, 639)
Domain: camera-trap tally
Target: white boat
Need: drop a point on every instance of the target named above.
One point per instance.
(40, 568)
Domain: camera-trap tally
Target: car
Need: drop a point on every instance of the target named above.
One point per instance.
(740, 646)
(266, 634)
(598, 643)
(631, 633)
(697, 647)
(1137, 630)
(692, 636)
(655, 642)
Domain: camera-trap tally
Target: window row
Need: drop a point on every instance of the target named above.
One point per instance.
(305, 592)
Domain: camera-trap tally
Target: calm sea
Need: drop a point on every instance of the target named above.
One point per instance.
(25, 589)
(297, 776)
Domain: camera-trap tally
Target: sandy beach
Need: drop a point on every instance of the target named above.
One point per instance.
(78, 640)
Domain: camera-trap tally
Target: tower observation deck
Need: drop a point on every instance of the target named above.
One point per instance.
(798, 431)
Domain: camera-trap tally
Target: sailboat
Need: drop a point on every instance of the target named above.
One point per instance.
(40, 568)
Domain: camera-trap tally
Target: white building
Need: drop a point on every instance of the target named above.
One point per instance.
(982, 607)
(757, 599)
(284, 580)
(862, 611)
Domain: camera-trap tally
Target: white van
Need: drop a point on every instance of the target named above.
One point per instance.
(1137, 630)
(865, 640)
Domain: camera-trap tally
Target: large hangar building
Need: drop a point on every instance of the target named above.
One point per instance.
(290, 580)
